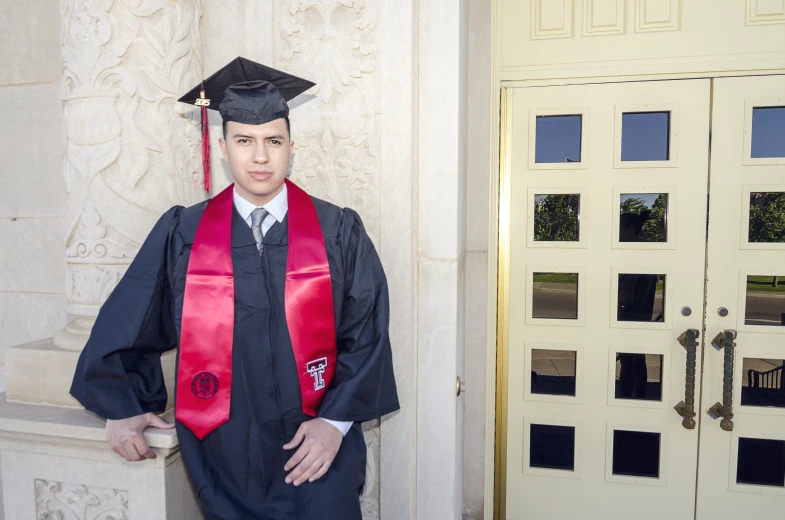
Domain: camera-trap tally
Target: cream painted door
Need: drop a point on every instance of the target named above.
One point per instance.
(742, 471)
(607, 235)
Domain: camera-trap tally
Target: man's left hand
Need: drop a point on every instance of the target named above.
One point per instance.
(319, 442)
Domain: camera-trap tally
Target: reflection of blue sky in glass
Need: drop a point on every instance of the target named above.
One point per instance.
(768, 132)
(645, 136)
(557, 137)
(648, 198)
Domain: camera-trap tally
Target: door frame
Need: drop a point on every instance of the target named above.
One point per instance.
(498, 240)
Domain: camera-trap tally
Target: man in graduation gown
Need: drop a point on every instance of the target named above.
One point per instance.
(279, 306)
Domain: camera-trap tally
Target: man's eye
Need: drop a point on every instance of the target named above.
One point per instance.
(243, 141)
(275, 142)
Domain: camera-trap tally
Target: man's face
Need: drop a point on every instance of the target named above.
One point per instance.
(258, 157)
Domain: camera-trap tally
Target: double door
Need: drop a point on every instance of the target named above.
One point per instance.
(644, 313)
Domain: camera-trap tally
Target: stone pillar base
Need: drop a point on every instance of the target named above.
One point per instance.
(41, 373)
(55, 463)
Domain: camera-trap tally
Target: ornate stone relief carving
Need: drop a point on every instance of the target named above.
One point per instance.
(335, 44)
(129, 154)
(371, 493)
(61, 501)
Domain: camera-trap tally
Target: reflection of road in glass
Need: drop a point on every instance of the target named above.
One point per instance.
(765, 309)
(553, 372)
(555, 300)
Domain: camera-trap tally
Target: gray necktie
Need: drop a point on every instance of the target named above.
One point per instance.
(257, 217)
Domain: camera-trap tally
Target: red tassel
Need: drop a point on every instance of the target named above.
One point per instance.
(205, 147)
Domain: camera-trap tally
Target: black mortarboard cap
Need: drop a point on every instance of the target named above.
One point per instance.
(245, 92)
(248, 92)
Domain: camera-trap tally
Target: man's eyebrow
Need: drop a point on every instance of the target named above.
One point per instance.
(279, 137)
(235, 136)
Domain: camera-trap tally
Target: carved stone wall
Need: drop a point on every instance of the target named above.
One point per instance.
(62, 501)
(370, 497)
(129, 155)
(334, 43)
(336, 128)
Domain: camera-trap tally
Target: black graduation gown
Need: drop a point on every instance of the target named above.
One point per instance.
(237, 471)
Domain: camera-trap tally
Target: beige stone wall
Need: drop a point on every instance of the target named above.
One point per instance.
(32, 190)
(477, 208)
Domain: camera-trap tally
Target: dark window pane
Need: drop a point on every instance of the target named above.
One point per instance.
(639, 376)
(636, 454)
(762, 382)
(768, 132)
(767, 217)
(645, 136)
(557, 218)
(641, 297)
(558, 139)
(761, 462)
(555, 296)
(553, 372)
(643, 217)
(765, 300)
(552, 447)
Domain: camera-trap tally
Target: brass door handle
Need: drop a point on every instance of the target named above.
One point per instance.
(724, 340)
(686, 408)
(460, 386)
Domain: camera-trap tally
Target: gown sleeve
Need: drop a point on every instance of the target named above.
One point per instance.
(364, 384)
(119, 373)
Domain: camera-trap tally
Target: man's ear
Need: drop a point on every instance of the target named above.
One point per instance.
(222, 144)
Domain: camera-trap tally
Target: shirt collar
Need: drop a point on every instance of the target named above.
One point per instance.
(276, 207)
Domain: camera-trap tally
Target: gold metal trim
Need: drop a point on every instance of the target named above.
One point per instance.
(502, 331)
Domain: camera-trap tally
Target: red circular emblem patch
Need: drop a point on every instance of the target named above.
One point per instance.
(204, 385)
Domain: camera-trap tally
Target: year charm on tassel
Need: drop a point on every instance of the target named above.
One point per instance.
(204, 103)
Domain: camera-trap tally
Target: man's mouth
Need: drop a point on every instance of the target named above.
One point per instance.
(260, 175)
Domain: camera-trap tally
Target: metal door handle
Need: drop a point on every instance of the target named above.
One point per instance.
(724, 340)
(686, 408)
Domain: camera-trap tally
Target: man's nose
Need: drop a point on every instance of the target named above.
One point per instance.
(260, 153)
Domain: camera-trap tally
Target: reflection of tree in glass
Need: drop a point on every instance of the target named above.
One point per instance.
(649, 226)
(556, 218)
(634, 206)
(767, 217)
(654, 228)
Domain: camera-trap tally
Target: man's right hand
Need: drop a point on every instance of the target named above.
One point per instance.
(126, 436)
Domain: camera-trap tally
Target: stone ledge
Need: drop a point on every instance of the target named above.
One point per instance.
(68, 427)
(55, 463)
(40, 373)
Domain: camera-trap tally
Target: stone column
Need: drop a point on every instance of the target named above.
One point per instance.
(129, 155)
(441, 247)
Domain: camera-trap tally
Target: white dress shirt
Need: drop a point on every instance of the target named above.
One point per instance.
(276, 210)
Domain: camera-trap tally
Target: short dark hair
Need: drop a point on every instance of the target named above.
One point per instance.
(288, 127)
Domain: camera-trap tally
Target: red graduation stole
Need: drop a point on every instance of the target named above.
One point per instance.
(204, 376)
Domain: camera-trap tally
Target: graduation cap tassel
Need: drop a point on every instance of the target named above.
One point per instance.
(204, 103)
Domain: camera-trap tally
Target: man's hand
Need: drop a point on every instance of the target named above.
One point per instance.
(126, 436)
(319, 442)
